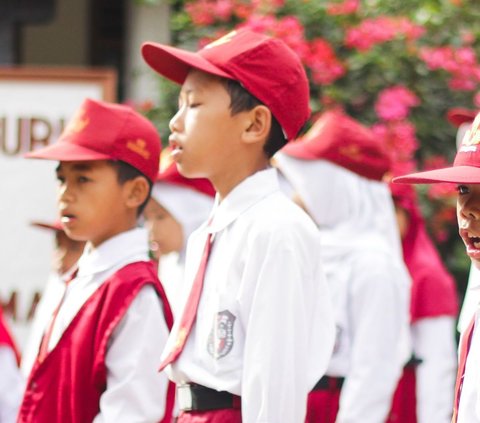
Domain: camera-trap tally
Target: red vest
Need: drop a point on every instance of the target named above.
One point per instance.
(6, 338)
(67, 385)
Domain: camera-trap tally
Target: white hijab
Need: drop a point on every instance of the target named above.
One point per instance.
(189, 207)
(351, 211)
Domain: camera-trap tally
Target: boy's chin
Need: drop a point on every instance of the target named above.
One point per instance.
(476, 263)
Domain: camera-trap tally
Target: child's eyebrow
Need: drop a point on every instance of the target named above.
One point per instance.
(77, 167)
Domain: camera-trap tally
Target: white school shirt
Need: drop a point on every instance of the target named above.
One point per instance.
(264, 327)
(12, 385)
(434, 343)
(469, 408)
(372, 326)
(49, 300)
(136, 391)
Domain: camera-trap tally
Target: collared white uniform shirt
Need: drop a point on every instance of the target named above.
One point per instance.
(264, 327)
(469, 408)
(136, 391)
(12, 385)
(369, 305)
(434, 343)
(49, 300)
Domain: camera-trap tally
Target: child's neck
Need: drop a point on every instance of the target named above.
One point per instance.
(226, 182)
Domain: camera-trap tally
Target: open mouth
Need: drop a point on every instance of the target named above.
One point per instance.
(67, 218)
(472, 242)
(175, 147)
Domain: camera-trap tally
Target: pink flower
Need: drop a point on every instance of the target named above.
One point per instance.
(200, 12)
(379, 30)
(347, 7)
(399, 137)
(223, 9)
(435, 162)
(394, 103)
(323, 63)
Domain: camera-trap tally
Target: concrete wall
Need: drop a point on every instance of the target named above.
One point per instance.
(63, 41)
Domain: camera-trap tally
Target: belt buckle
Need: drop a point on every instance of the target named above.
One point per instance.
(184, 397)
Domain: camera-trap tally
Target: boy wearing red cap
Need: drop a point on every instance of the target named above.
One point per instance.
(65, 256)
(336, 171)
(462, 119)
(465, 173)
(98, 358)
(256, 330)
(11, 381)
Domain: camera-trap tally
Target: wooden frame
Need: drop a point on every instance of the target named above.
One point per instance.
(105, 77)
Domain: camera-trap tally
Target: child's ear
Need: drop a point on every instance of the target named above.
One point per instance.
(137, 190)
(259, 122)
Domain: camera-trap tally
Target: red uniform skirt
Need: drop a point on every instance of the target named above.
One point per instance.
(404, 404)
(323, 402)
(228, 415)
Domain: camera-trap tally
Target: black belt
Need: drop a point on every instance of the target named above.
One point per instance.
(328, 382)
(193, 397)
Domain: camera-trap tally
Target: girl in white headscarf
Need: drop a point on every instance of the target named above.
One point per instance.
(361, 254)
(176, 208)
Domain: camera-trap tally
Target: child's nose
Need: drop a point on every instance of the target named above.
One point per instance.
(64, 193)
(175, 124)
(470, 209)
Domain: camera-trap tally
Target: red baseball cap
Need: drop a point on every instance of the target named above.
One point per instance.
(266, 67)
(170, 174)
(465, 169)
(459, 115)
(106, 131)
(56, 225)
(338, 138)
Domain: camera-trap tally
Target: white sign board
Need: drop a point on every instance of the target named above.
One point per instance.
(35, 104)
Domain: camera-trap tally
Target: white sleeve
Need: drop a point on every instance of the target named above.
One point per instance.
(279, 324)
(11, 386)
(378, 307)
(136, 391)
(434, 343)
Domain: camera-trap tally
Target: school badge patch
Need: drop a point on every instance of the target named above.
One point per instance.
(220, 340)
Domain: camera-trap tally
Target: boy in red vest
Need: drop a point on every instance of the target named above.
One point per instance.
(98, 359)
(256, 329)
(11, 381)
(465, 173)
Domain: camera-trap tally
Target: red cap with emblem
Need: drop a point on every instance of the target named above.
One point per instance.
(170, 174)
(465, 169)
(266, 67)
(106, 131)
(342, 140)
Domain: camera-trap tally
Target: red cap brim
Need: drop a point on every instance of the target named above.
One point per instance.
(55, 226)
(174, 63)
(459, 115)
(454, 175)
(65, 152)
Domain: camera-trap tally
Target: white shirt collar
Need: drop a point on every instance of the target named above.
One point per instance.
(113, 251)
(245, 195)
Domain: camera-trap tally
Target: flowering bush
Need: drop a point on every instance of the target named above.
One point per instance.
(396, 66)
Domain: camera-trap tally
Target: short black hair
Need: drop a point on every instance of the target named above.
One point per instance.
(126, 172)
(240, 101)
